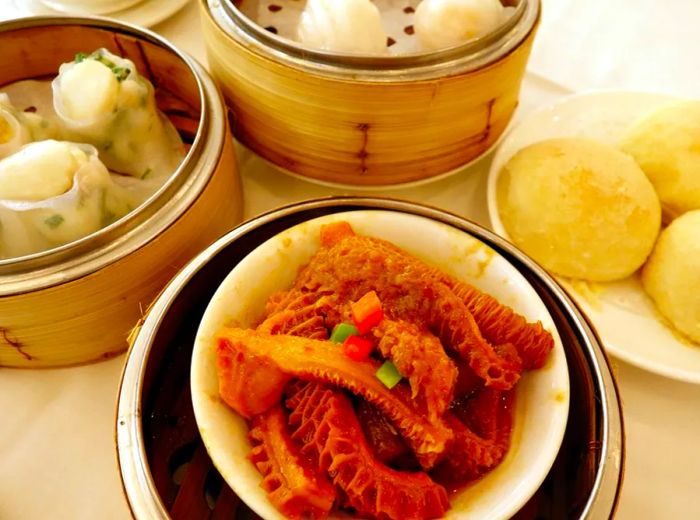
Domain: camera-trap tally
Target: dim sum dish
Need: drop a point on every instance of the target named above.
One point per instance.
(379, 27)
(164, 460)
(102, 100)
(116, 167)
(106, 111)
(342, 25)
(369, 93)
(628, 168)
(18, 128)
(350, 367)
(55, 192)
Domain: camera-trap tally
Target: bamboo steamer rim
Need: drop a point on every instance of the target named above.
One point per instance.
(121, 238)
(426, 65)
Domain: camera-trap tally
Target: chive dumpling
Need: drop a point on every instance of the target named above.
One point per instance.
(18, 128)
(101, 99)
(55, 192)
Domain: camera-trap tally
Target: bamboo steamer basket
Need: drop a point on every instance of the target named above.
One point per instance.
(166, 471)
(77, 303)
(361, 120)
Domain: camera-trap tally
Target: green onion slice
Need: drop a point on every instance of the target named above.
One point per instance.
(389, 375)
(54, 221)
(121, 72)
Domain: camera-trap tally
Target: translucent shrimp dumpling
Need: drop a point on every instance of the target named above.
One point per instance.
(13, 134)
(54, 192)
(445, 23)
(102, 100)
(18, 128)
(353, 26)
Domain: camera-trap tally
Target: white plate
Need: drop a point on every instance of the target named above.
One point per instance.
(145, 14)
(542, 396)
(623, 314)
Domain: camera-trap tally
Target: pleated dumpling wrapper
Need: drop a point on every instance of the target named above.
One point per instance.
(353, 26)
(18, 128)
(55, 192)
(440, 24)
(101, 99)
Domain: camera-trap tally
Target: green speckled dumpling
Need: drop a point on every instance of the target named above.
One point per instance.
(102, 100)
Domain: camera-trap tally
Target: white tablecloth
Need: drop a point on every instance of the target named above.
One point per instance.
(57, 455)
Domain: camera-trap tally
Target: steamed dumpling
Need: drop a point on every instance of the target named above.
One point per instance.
(18, 128)
(666, 144)
(672, 275)
(581, 208)
(102, 100)
(353, 26)
(54, 192)
(445, 23)
(13, 133)
(41, 171)
(89, 90)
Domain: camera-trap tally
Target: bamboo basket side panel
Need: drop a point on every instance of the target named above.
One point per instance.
(37, 52)
(90, 318)
(169, 71)
(363, 132)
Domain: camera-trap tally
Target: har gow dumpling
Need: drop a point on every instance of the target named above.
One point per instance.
(445, 23)
(353, 26)
(55, 192)
(102, 100)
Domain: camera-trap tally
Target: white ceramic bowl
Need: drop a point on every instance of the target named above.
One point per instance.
(542, 399)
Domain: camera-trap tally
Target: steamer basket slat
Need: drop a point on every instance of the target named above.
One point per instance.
(369, 128)
(81, 306)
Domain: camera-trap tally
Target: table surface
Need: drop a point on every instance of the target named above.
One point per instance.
(57, 452)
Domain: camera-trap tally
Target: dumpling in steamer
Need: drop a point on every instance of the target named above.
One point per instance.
(581, 208)
(102, 100)
(672, 275)
(445, 23)
(18, 128)
(353, 26)
(13, 134)
(52, 193)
